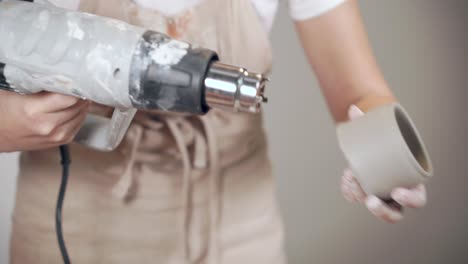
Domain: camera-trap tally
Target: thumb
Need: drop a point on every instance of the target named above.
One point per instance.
(354, 112)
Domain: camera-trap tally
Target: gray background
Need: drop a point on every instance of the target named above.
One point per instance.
(422, 48)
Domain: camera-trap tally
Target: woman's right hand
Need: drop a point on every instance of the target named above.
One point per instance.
(39, 121)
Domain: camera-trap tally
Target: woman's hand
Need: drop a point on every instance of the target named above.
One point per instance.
(390, 211)
(39, 121)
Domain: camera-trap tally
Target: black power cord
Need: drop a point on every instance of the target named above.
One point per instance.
(65, 156)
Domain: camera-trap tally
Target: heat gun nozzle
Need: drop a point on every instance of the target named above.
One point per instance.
(234, 88)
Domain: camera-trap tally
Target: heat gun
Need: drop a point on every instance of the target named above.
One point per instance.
(107, 61)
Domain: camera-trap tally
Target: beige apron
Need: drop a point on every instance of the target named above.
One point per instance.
(180, 189)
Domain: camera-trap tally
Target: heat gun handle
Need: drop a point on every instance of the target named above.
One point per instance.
(98, 132)
(104, 134)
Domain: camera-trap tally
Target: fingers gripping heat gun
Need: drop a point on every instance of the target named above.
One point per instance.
(46, 48)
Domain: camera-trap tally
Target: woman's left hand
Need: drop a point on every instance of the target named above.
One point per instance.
(389, 211)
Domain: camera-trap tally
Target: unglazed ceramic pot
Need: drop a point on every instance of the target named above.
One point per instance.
(384, 150)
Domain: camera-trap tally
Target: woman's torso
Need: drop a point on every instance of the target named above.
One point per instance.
(191, 187)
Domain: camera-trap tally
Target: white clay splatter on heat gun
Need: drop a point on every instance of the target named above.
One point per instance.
(169, 53)
(43, 20)
(117, 24)
(75, 30)
(27, 82)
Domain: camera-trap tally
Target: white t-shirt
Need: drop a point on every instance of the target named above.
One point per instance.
(266, 9)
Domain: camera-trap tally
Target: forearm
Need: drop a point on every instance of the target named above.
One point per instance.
(337, 48)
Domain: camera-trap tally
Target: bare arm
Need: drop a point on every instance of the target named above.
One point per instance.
(337, 47)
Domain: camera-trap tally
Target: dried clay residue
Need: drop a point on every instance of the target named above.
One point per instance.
(169, 53)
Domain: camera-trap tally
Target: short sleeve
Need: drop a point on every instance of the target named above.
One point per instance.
(305, 9)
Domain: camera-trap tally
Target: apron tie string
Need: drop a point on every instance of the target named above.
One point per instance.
(122, 189)
(186, 185)
(202, 147)
(214, 192)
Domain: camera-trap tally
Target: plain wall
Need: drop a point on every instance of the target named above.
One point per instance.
(421, 46)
